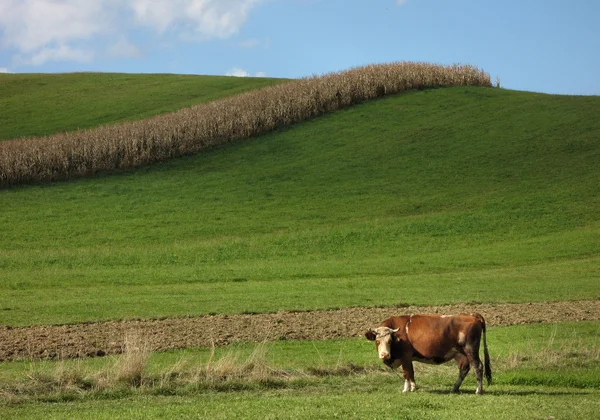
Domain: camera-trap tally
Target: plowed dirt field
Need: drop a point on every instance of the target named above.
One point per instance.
(102, 338)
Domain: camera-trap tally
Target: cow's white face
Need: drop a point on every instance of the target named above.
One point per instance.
(383, 337)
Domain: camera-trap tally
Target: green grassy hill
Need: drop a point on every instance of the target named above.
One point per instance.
(41, 104)
(431, 197)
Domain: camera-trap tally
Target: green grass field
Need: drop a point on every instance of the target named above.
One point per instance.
(508, 403)
(430, 197)
(41, 104)
(492, 191)
(539, 371)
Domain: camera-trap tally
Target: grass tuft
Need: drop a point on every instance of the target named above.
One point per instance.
(129, 368)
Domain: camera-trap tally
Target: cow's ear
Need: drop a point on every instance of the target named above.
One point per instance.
(371, 336)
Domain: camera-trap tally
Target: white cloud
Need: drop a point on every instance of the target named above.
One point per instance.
(250, 43)
(4, 70)
(60, 53)
(76, 30)
(123, 48)
(255, 43)
(237, 72)
(157, 14)
(400, 2)
(194, 18)
(32, 25)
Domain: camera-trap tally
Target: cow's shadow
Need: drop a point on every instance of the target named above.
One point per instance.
(501, 393)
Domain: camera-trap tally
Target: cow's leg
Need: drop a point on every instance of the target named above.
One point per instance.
(463, 369)
(472, 352)
(409, 376)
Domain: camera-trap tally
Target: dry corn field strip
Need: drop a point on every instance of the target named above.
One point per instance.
(103, 338)
(128, 145)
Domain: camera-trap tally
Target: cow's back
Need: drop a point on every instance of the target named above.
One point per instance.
(438, 336)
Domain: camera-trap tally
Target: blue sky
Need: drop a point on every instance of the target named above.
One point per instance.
(550, 46)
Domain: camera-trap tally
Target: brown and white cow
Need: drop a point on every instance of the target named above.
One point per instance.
(433, 339)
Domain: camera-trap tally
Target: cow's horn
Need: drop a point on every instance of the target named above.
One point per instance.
(396, 330)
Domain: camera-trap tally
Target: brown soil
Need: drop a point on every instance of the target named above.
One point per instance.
(102, 338)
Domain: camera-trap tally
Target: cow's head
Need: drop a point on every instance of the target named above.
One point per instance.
(383, 337)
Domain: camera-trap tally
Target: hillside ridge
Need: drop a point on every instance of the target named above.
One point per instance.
(187, 131)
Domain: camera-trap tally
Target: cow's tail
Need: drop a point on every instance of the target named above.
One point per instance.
(486, 354)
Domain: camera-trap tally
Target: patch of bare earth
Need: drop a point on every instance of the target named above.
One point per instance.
(102, 338)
